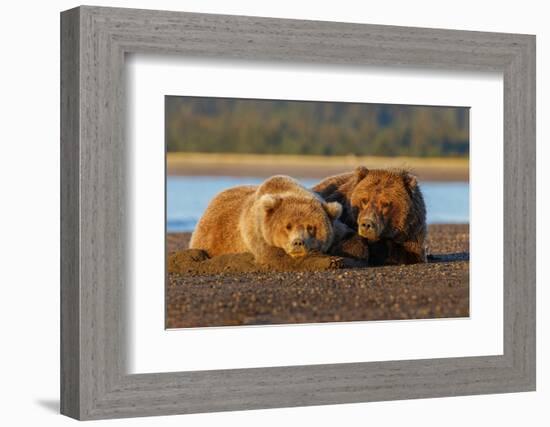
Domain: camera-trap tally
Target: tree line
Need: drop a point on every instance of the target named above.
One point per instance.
(219, 125)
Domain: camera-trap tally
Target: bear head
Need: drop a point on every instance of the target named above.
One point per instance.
(382, 202)
(299, 225)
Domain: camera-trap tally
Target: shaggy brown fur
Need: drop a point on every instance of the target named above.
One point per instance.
(278, 221)
(385, 208)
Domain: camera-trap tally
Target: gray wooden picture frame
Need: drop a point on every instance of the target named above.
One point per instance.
(94, 381)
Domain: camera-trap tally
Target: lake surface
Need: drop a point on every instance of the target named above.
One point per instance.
(188, 196)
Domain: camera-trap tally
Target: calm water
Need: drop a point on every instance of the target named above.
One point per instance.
(188, 197)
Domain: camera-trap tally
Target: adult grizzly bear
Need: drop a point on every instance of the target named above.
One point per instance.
(277, 221)
(385, 208)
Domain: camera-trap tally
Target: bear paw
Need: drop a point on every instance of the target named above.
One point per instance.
(336, 262)
(353, 247)
(317, 263)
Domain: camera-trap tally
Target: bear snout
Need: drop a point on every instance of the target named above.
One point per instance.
(298, 247)
(369, 228)
(298, 243)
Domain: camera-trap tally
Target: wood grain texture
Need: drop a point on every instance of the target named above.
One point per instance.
(94, 270)
(70, 292)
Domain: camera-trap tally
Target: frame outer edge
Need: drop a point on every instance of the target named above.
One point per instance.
(520, 216)
(532, 138)
(527, 78)
(90, 366)
(70, 396)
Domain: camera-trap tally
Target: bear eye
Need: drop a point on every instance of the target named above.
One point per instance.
(365, 202)
(385, 204)
(311, 229)
(289, 227)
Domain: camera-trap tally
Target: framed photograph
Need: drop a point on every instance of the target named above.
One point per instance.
(249, 145)
(261, 213)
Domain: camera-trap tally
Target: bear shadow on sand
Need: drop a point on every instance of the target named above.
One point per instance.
(451, 257)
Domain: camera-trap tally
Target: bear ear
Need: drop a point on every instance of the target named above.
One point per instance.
(410, 180)
(333, 209)
(270, 202)
(359, 173)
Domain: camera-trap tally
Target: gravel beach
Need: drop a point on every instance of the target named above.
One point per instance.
(437, 289)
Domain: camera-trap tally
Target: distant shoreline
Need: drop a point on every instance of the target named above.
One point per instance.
(238, 165)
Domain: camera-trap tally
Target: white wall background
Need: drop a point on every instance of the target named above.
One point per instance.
(29, 212)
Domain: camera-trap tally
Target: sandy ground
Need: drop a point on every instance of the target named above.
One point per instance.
(434, 290)
(318, 167)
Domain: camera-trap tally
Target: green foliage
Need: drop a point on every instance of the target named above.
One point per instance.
(217, 125)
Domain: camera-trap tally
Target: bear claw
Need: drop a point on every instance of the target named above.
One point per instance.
(323, 263)
(337, 262)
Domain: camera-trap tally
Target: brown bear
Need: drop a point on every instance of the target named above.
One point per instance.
(277, 221)
(385, 208)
